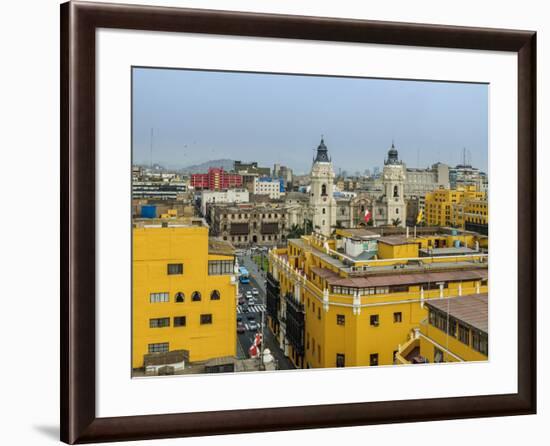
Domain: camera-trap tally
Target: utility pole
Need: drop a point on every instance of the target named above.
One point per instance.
(262, 365)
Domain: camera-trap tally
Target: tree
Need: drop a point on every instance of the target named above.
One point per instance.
(295, 231)
(396, 222)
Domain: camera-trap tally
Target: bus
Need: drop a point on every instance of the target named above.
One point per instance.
(243, 275)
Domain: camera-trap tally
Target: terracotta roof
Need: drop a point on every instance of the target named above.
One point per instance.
(400, 279)
(472, 309)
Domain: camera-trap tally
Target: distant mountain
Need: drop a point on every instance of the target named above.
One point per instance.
(227, 164)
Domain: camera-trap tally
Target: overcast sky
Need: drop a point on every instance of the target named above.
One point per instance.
(199, 116)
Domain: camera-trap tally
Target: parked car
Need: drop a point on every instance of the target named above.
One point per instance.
(241, 328)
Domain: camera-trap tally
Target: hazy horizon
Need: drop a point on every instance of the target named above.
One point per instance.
(198, 116)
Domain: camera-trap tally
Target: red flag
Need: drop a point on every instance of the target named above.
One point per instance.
(367, 216)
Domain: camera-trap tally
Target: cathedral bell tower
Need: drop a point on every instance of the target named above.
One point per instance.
(321, 199)
(391, 207)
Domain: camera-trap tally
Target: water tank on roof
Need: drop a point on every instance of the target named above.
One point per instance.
(148, 211)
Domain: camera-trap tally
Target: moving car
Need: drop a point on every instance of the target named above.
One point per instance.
(252, 326)
(248, 294)
(255, 292)
(241, 300)
(241, 328)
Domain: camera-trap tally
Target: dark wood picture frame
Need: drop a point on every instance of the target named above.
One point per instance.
(79, 21)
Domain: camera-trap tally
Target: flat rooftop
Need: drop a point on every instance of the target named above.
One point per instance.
(220, 247)
(395, 240)
(472, 309)
(358, 233)
(461, 250)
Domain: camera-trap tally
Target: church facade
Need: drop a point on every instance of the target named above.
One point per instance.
(321, 201)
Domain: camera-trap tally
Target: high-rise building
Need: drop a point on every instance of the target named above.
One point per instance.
(216, 179)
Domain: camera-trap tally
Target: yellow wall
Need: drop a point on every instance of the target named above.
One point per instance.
(153, 249)
(357, 339)
(403, 251)
(438, 338)
(453, 207)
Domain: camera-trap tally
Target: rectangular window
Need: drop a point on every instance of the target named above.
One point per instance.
(374, 359)
(159, 322)
(464, 334)
(319, 352)
(206, 319)
(179, 321)
(175, 268)
(340, 360)
(220, 267)
(161, 347)
(319, 313)
(480, 342)
(397, 317)
(374, 320)
(158, 297)
(438, 355)
(340, 319)
(395, 356)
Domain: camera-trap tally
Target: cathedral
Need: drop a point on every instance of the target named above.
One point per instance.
(390, 208)
(321, 200)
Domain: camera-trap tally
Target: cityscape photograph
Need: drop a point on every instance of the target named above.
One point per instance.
(286, 222)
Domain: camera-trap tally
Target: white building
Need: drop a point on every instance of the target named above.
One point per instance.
(321, 199)
(390, 208)
(225, 196)
(268, 186)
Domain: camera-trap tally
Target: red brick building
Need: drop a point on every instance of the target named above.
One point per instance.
(216, 179)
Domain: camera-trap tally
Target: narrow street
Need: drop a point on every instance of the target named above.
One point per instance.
(254, 313)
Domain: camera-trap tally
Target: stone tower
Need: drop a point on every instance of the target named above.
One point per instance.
(391, 207)
(321, 200)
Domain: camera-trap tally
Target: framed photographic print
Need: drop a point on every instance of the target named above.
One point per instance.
(282, 222)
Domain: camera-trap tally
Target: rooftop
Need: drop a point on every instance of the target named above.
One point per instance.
(472, 309)
(395, 240)
(357, 233)
(174, 222)
(220, 247)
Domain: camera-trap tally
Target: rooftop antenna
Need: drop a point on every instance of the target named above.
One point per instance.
(151, 147)
(464, 156)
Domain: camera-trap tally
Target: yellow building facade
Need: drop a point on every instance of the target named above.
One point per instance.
(184, 291)
(455, 207)
(327, 311)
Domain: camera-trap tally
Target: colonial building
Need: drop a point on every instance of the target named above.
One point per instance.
(390, 208)
(249, 223)
(322, 202)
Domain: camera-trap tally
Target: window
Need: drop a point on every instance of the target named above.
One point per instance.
(374, 320)
(374, 359)
(395, 191)
(480, 342)
(180, 297)
(307, 341)
(464, 334)
(438, 355)
(397, 317)
(319, 352)
(220, 267)
(175, 268)
(319, 313)
(340, 319)
(158, 297)
(324, 211)
(340, 360)
(179, 321)
(196, 296)
(395, 356)
(159, 322)
(161, 347)
(215, 295)
(324, 190)
(206, 319)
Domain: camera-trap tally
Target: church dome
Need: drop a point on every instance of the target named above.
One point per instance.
(393, 156)
(322, 153)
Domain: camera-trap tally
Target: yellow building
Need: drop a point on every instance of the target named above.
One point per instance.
(184, 291)
(328, 310)
(455, 330)
(456, 207)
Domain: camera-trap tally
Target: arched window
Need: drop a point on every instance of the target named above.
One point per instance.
(180, 297)
(324, 211)
(362, 208)
(215, 295)
(396, 191)
(324, 190)
(196, 296)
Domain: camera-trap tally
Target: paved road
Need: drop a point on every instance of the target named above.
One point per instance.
(257, 280)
